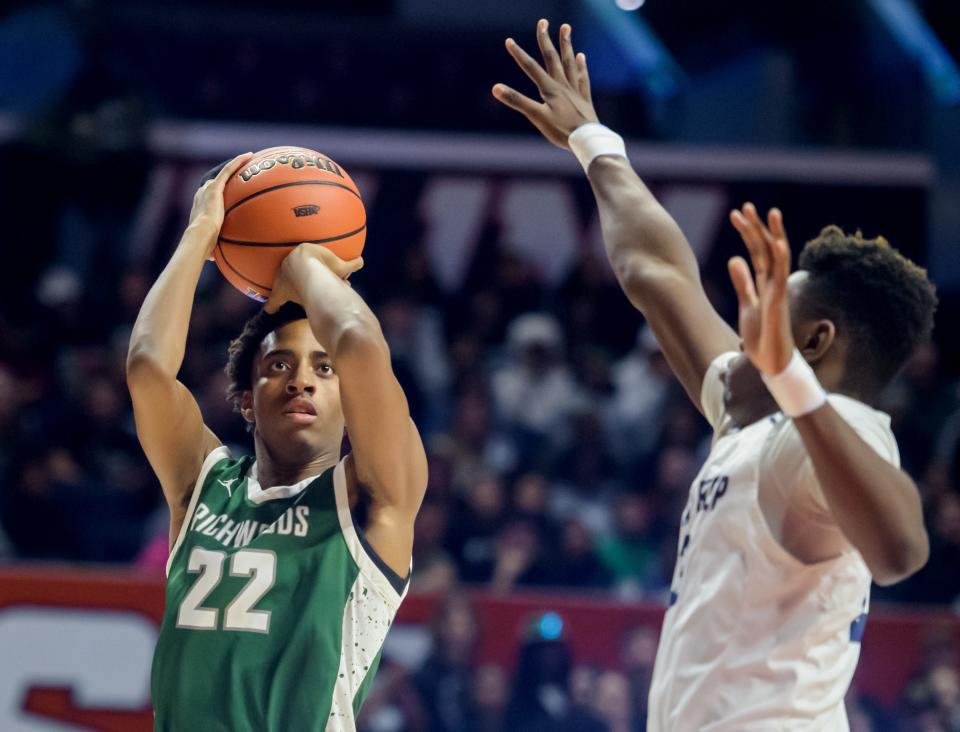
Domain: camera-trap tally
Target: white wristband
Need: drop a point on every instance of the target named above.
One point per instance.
(796, 389)
(593, 139)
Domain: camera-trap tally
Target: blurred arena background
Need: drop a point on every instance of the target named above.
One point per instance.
(561, 449)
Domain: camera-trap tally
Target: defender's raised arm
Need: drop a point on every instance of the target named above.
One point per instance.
(649, 254)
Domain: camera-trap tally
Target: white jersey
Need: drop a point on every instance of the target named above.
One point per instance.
(755, 639)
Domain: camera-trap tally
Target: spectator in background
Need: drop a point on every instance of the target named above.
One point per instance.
(489, 695)
(393, 704)
(576, 564)
(947, 457)
(444, 681)
(938, 581)
(642, 382)
(591, 307)
(434, 568)
(534, 392)
(17, 411)
(530, 498)
(48, 491)
(542, 700)
(919, 403)
(585, 460)
(638, 653)
(415, 336)
(520, 558)
(931, 700)
(583, 685)
(585, 475)
(101, 439)
(475, 449)
(477, 519)
(630, 554)
(614, 705)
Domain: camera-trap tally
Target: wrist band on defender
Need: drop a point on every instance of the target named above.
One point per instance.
(593, 139)
(796, 389)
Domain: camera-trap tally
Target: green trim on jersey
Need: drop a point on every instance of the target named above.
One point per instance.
(275, 615)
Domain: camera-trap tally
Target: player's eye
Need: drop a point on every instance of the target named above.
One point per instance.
(325, 368)
(279, 366)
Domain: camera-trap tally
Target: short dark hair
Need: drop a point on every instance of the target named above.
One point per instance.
(243, 349)
(881, 300)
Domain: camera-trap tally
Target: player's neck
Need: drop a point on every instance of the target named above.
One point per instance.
(747, 411)
(276, 469)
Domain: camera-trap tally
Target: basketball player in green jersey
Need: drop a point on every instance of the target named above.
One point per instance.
(277, 602)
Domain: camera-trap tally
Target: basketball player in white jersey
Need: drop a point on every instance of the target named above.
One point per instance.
(801, 500)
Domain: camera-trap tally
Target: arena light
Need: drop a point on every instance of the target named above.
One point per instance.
(551, 626)
(638, 46)
(918, 40)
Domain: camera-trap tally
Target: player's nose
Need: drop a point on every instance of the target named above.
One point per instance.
(302, 380)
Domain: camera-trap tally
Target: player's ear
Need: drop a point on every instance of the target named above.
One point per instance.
(815, 338)
(246, 406)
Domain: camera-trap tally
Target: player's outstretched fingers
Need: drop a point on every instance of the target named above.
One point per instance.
(751, 231)
(551, 59)
(567, 56)
(775, 223)
(529, 66)
(779, 246)
(583, 78)
(742, 282)
(515, 100)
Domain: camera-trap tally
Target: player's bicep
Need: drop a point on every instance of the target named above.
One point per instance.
(172, 433)
(690, 332)
(387, 449)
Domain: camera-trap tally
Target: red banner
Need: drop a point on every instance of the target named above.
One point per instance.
(76, 645)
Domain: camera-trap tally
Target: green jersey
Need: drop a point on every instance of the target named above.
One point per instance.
(276, 608)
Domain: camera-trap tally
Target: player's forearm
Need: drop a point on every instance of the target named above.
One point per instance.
(338, 316)
(876, 505)
(159, 335)
(642, 241)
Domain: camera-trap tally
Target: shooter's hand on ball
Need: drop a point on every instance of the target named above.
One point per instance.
(562, 81)
(206, 215)
(304, 262)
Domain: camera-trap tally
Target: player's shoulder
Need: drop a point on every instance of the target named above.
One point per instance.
(222, 462)
(712, 388)
(871, 424)
(855, 409)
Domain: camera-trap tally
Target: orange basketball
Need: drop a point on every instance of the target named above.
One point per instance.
(285, 196)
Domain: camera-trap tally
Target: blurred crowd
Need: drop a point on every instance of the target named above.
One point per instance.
(560, 446)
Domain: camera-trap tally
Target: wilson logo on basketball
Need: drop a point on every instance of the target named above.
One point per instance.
(308, 210)
(295, 161)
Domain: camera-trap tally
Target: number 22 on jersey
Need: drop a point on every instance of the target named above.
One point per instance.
(257, 564)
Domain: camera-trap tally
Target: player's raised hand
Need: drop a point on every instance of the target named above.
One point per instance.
(206, 214)
(563, 84)
(764, 309)
(291, 277)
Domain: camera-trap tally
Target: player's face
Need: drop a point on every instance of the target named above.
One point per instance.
(296, 392)
(745, 395)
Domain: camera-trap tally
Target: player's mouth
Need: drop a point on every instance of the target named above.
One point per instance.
(300, 410)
